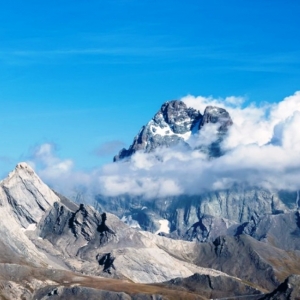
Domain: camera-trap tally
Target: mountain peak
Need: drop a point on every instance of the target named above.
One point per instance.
(23, 170)
(24, 166)
(174, 124)
(214, 114)
(25, 195)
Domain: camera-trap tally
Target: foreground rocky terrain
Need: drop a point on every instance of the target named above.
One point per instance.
(52, 248)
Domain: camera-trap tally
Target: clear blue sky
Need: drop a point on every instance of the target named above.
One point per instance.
(81, 74)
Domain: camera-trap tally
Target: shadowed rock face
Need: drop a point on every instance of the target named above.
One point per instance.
(173, 124)
(208, 228)
(100, 244)
(289, 289)
(221, 120)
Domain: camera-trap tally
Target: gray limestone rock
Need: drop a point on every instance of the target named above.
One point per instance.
(98, 246)
(101, 244)
(248, 259)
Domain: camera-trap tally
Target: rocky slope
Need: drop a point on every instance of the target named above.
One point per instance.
(55, 248)
(101, 244)
(266, 266)
(213, 287)
(280, 230)
(72, 251)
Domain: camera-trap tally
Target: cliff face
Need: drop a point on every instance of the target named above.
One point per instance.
(201, 217)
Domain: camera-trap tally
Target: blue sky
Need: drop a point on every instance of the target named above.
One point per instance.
(86, 75)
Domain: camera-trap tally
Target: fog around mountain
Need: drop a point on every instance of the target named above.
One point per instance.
(261, 148)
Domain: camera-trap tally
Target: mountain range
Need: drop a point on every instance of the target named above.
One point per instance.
(239, 243)
(201, 216)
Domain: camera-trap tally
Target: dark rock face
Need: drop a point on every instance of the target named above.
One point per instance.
(173, 124)
(289, 289)
(71, 230)
(176, 114)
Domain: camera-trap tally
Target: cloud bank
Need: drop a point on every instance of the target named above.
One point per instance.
(262, 149)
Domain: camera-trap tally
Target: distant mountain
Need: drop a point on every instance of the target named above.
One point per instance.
(200, 217)
(174, 124)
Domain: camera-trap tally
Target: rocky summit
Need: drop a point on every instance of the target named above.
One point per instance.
(173, 125)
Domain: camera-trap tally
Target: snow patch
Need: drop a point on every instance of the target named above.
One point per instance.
(167, 131)
(130, 222)
(164, 227)
(31, 227)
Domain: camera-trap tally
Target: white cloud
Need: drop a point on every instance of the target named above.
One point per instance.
(43, 157)
(262, 149)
